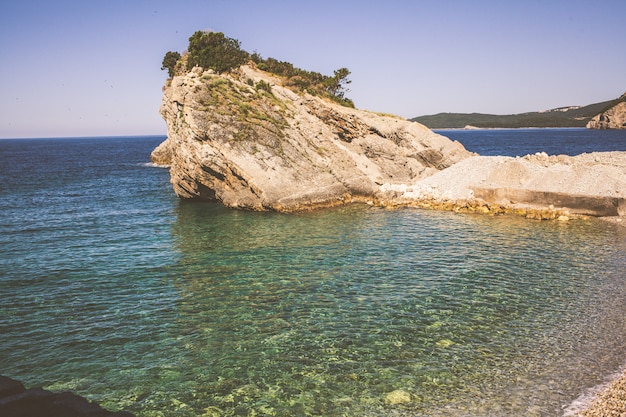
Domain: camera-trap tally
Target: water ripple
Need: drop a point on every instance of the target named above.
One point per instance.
(113, 288)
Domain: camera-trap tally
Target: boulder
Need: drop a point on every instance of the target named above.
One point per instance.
(17, 401)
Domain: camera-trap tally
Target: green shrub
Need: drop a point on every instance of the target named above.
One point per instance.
(169, 62)
(262, 85)
(213, 50)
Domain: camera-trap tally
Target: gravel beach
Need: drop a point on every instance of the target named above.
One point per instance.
(610, 402)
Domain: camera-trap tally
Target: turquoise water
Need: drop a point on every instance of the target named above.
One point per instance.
(112, 287)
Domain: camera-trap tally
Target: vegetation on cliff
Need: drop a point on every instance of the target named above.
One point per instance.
(252, 114)
(217, 52)
(169, 62)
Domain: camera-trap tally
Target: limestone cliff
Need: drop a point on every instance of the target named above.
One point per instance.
(613, 118)
(249, 142)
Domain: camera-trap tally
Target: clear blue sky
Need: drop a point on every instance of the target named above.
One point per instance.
(89, 68)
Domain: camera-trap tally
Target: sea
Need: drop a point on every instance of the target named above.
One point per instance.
(112, 287)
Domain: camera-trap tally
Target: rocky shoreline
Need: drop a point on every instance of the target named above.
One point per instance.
(276, 149)
(605, 400)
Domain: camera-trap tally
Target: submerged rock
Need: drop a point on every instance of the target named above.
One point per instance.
(17, 401)
(398, 397)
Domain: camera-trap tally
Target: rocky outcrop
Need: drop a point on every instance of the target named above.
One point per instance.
(247, 141)
(17, 401)
(613, 118)
(162, 154)
(536, 186)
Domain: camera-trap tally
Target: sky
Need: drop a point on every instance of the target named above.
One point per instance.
(93, 68)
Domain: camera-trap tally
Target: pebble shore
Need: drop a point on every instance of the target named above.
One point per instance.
(611, 402)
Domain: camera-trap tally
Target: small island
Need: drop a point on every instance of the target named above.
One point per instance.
(260, 134)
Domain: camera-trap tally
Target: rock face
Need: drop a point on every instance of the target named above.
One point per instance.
(613, 118)
(246, 141)
(17, 401)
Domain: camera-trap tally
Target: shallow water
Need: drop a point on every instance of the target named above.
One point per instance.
(112, 287)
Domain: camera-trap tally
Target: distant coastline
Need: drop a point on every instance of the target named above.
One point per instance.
(90, 137)
(562, 117)
(506, 128)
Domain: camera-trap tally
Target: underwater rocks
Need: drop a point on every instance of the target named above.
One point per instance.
(17, 401)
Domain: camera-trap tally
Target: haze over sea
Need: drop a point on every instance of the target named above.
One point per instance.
(112, 287)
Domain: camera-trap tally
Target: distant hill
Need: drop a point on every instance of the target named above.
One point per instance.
(574, 116)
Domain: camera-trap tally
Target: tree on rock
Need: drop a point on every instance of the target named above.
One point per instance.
(213, 50)
(336, 85)
(169, 62)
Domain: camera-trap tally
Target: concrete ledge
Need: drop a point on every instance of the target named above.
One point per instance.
(576, 204)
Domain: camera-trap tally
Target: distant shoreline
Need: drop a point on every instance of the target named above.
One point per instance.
(86, 137)
(569, 116)
(471, 129)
